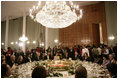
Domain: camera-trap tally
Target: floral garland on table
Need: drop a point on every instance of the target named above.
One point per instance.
(71, 70)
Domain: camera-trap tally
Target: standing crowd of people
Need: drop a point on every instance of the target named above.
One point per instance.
(102, 55)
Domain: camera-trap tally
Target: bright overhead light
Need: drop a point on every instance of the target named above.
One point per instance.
(12, 43)
(23, 38)
(28, 42)
(56, 41)
(2, 43)
(20, 44)
(56, 14)
(16, 42)
(34, 42)
(42, 44)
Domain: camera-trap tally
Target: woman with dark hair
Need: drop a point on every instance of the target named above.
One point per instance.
(39, 72)
(81, 72)
(105, 60)
(3, 59)
(86, 58)
(5, 70)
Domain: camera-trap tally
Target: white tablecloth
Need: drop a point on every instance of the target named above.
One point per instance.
(93, 70)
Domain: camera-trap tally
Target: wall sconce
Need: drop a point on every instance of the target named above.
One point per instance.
(16, 42)
(2, 43)
(34, 42)
(12, 43)
(42, 44)
(28, 42)
(111, 37)
(56, 41)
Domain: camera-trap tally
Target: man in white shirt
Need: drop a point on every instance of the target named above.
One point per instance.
(106, 50)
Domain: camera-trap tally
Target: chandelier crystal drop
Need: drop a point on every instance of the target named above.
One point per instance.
(56, 14)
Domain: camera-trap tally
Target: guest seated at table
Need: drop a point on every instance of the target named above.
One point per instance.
(48, 56)
(112, 68)
(86, 58)
(66, 55)
(3, 58)
(81, 72)
(5, 70)
(20, 60)
(85, 50)
(71, 53)
(3, 62)
(76, 53)
(60, 52)
(12, 61)
(28, 58)
(39, 57)
(34, 55)
(112, 58)
(39, 72)
(105, 60)
(56, 57)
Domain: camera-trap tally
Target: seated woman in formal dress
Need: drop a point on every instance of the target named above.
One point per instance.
(86, 57)
(105, 60)
(56, 57)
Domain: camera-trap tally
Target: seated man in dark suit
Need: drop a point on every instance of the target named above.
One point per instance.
(12, 61)
(112, 68)
(48, 56)
(27, 58)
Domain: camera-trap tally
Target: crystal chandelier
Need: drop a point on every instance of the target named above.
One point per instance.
(23, 38)
(56, 14)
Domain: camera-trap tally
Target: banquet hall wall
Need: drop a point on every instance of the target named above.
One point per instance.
(111, 21)
(81, 32)
(34, 32)
(77, 33)
(14, 31)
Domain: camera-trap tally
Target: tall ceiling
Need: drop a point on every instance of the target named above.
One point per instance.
(15, 9)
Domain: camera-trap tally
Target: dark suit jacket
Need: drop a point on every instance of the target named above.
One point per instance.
(88, 59)
(45, 58)
(11, 63)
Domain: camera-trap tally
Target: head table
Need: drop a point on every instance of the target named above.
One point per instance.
(93, 70)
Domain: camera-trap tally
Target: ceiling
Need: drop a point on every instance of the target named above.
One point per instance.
(15, 9)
